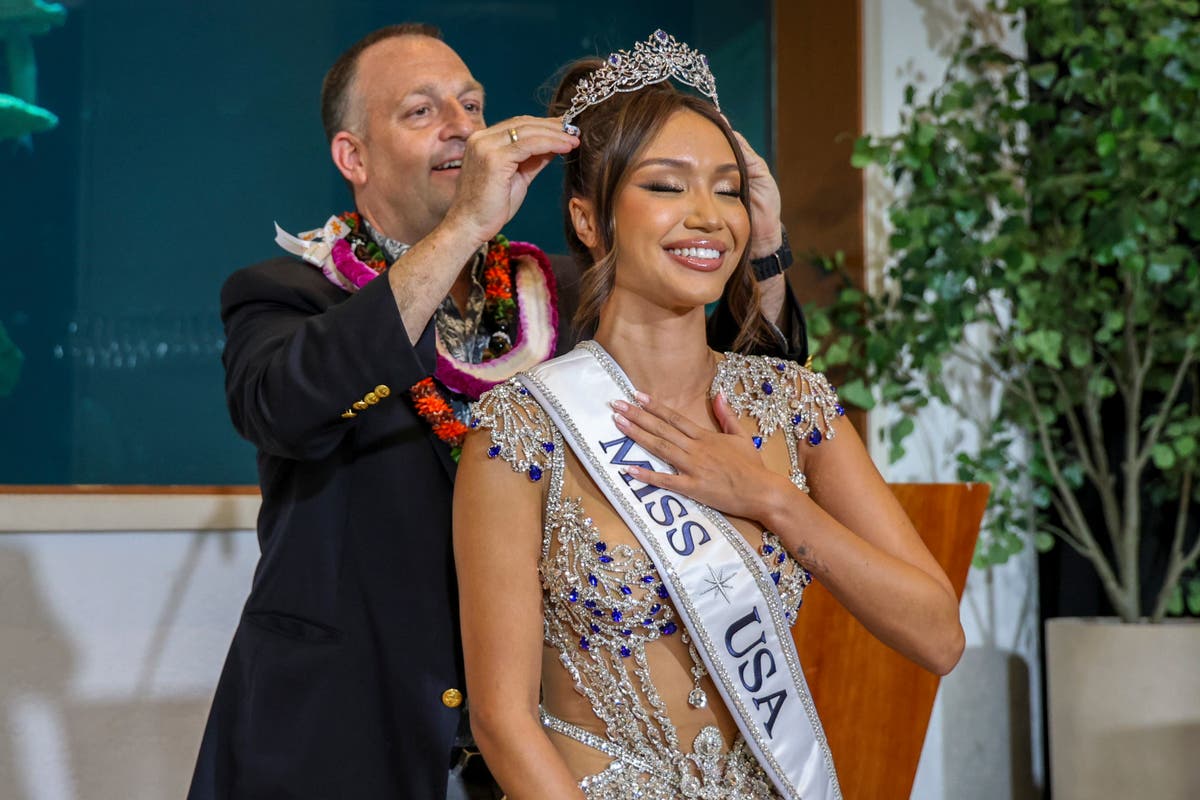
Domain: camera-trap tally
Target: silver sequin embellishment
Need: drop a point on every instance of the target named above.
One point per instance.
(603, 603)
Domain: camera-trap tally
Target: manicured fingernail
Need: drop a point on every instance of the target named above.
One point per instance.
(621, 421)
(642, 397)
(620, 405)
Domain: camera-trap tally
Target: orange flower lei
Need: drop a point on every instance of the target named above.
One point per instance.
(501, 307)
(434, 409)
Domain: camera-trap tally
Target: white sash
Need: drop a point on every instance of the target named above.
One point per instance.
(721, 588)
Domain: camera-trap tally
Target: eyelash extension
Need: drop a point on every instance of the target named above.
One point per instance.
(663, 187)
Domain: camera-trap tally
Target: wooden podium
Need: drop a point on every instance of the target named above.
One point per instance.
(874, 703)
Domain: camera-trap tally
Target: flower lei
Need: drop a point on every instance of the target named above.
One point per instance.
(500, 309)
(356, 255)
(350, 259)
(436, 411)
(499, 306)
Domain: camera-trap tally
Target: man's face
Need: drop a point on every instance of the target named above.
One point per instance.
(414, 105)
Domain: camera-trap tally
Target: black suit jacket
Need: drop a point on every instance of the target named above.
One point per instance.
(334, 683)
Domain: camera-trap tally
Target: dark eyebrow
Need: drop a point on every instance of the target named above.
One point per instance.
(678, 163)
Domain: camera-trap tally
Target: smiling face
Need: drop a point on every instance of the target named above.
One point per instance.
(679, 223)
(414, 103)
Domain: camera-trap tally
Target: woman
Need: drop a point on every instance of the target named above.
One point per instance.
(625, 622)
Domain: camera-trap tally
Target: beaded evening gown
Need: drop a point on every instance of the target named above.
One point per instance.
(625, 697)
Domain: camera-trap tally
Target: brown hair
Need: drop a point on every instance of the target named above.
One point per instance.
(613, 133)
(337, 90)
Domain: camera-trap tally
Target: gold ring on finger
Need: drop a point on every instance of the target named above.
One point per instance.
(512, 135)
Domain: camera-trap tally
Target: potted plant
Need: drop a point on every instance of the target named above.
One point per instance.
(1046, 234)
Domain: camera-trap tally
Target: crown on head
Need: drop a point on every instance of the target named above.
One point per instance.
(653, 61)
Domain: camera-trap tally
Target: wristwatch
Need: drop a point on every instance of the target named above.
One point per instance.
(774, 264)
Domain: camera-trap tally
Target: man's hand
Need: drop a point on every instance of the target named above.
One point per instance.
(500, 163)
(766, 234)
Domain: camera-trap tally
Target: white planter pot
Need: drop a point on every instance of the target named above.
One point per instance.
(1124, 709)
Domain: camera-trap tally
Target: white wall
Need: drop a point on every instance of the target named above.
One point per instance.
(984, 740)
(110, 647)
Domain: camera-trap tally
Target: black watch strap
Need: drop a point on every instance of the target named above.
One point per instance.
(774, 264)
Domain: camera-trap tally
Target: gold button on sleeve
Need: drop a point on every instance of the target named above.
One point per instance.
(348, 414)
(452, 698)
(371, 398)
(360, 405)
(382, 390)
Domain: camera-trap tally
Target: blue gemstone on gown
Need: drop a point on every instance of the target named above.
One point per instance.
(535, 473)
(626, 590)
(775, 577)
(616, 615)
(781, 366)
(814, 437)
(662, 592)
(523, 390)
(767, 388)
(669, 628)
(781, 559)
(605, 559)
(592, 579)
(590, 603)
(474, 422)
(595, 628)
(757, 442)
(583, 643)
(796, 420)
(493, 451)
(625, 652)
(626, 632)
(840, 409)
(574, 595)
(654, 609)
(768, 549)
(548, 447)
(648, 579)
(597, 612)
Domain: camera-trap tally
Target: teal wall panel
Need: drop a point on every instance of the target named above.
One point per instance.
(185, 130)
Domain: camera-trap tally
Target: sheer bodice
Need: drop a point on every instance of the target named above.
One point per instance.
(625, 695)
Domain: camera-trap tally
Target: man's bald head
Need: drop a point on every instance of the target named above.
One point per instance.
(340, 106)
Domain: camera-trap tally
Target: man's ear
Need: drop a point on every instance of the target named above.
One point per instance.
(349, 156)
(583, 218)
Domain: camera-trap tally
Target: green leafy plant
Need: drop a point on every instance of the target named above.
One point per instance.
(1047, 235)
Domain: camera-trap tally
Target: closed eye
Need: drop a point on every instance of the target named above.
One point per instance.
(662, 187)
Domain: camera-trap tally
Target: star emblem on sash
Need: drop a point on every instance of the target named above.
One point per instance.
(719, 582)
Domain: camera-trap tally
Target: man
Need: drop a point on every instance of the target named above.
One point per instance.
(344, 678)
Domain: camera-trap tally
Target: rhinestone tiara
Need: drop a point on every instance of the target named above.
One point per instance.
(653, 61)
